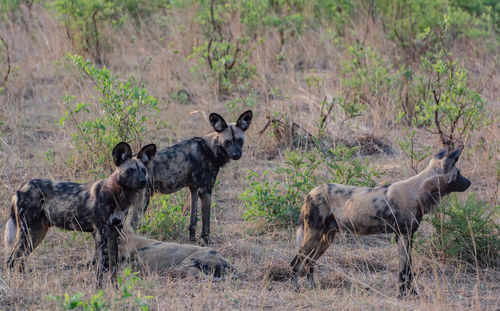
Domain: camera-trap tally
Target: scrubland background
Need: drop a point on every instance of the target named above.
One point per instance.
(343, 91)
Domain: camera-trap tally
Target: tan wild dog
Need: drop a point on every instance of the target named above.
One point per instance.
(396, 208)
(160, 257)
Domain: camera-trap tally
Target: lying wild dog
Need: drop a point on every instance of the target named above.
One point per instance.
(396, 208)
(99, 207)
(195, 163)
(162, 257)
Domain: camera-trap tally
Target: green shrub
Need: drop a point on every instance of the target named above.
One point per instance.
(265, 200)
(367, 79)
(84, 20)
(164, 219)
(226, 57)
(119, 115)
(406, 20)
(450, 106)
(407, 146)
(468, 231)
(127, 283)
(280, 202)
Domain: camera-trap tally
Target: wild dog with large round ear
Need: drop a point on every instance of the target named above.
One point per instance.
(195, 163)
(99, 207)
(396, 208)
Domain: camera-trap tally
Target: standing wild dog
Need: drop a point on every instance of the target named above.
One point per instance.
(396, 208)
(99, 207)
(195, 163)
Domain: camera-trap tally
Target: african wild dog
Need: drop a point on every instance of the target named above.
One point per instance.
(195, 163)
(162, 257)
(99, 207)
(396, 208)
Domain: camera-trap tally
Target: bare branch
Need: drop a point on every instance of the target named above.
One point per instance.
(444, 139)
(8, 60)
(323, 119)
(209, 47)
(234, 56)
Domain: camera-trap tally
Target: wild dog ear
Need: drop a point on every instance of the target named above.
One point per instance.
(452, 158)
(147, 154)
(245, 120)
(217, 122)
(121, 153)
(440, 154)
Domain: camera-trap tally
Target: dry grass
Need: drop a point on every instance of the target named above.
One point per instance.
(355, 273)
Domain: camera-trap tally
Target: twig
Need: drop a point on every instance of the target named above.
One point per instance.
(209, 47)
(96, 35)
(323, 119)
(446, 141)
(8, 60)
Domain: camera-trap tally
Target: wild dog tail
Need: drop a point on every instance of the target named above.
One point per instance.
(300, 229)
(11, 233)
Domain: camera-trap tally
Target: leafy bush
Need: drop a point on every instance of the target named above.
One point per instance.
(468, 231)
(98, 302)
(280, 202)
(406, 20)
(449, 105)
(368, 80)
(227, 58)
(164, 219)
(85, 20)
(407, 145)
(344, 167)
(119, 115)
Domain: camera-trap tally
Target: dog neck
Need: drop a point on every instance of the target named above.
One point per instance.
(122, 195)
(428, 187)
(431, 192)
(215, 144)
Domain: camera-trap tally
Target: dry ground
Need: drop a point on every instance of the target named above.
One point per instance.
(355, 273)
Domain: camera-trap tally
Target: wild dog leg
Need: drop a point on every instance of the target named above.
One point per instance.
(312, 240)
(32, 232)
(113, 235)
(326, 241)
(206, 202)
(405, 242)
(194, 214)
(102, 255)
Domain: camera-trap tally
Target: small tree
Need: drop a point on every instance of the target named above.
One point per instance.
(450, 108)
(227, 57)
(118, 116)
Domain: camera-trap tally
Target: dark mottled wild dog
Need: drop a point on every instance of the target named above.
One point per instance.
(195, 163)
(99, 207)
(396, 208)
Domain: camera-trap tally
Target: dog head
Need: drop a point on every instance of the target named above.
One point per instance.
(446, 177)
(232, 136)
(132, 170)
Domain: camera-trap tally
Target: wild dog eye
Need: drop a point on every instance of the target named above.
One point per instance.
(227, 143)
(130, 170)
(143, 170)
